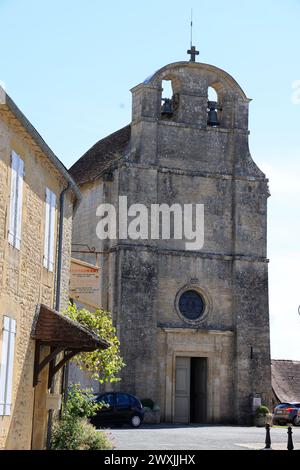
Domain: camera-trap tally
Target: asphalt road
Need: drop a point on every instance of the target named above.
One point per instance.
(178, 437)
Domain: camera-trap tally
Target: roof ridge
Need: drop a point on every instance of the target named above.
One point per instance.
(285, 360)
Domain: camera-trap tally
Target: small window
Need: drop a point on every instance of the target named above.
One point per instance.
(122, 399)
(108, 399)
(133, 401)
(191, 305)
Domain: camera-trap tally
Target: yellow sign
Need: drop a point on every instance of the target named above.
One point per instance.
(85, 283)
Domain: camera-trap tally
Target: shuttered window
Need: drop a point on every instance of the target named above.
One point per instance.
(16, 196)
(49, 230)
(7, 365)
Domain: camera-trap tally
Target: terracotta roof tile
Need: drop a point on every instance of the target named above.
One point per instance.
(100, 156)
(286, 380)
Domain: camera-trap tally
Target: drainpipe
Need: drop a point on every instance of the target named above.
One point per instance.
(60, 242)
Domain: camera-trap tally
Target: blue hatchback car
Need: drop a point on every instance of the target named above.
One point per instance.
(120, 408)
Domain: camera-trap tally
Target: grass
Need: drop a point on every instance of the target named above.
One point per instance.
(280, 426)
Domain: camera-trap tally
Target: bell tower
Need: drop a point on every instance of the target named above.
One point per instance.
(193, 324)
(188, 149)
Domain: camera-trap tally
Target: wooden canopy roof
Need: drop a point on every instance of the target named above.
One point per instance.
(62, 334)
(55, 329)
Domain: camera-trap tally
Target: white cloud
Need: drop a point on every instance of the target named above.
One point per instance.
(296, 93)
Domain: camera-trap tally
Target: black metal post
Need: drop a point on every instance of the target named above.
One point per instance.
(268, 437)
(290, 445)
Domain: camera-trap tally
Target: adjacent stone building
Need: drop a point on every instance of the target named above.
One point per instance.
(193, 324)
(37, 199)
(285, 381)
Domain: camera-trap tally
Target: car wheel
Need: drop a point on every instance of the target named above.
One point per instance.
(135, 421)
(296, 421)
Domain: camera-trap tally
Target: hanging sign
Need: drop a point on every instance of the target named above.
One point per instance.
(85, 283)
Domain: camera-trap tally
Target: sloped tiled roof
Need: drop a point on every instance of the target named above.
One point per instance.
(53, 328)
(286, 380)
(100, 156)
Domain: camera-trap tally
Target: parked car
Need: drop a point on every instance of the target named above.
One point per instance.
(297, 420)
(120, 408)
(287, 413)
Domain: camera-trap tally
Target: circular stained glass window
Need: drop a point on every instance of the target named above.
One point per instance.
(191, 305)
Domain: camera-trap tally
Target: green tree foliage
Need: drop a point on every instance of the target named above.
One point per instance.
(103, 364)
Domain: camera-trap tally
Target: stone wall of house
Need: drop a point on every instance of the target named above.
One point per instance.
(24, 282)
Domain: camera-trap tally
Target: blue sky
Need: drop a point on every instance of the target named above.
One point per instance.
(69, 65)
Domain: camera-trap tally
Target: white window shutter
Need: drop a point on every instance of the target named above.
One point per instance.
(52, 231)
(13, 199)
(47, 224)
(19, 203)
(11, 354)
(7, 365)
(49, 230)
(4, 365)
(16, 198)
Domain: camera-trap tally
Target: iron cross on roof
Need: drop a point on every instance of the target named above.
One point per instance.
(193, 52)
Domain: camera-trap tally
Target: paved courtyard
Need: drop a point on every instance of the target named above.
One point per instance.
(179, 437)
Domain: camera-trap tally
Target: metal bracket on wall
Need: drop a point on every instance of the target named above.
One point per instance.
(89, 251)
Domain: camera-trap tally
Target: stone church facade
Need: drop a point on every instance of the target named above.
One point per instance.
(193, 324)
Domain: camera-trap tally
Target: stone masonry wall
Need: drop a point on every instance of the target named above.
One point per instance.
(24, 282)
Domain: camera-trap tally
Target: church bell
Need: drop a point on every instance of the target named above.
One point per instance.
(167, 107)
(212, 117)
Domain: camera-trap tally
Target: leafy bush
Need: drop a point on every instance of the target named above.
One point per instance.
(92, 439)
(73, 431)
(78, 434)
(80, 403)
(262, 410)
(147, 403)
